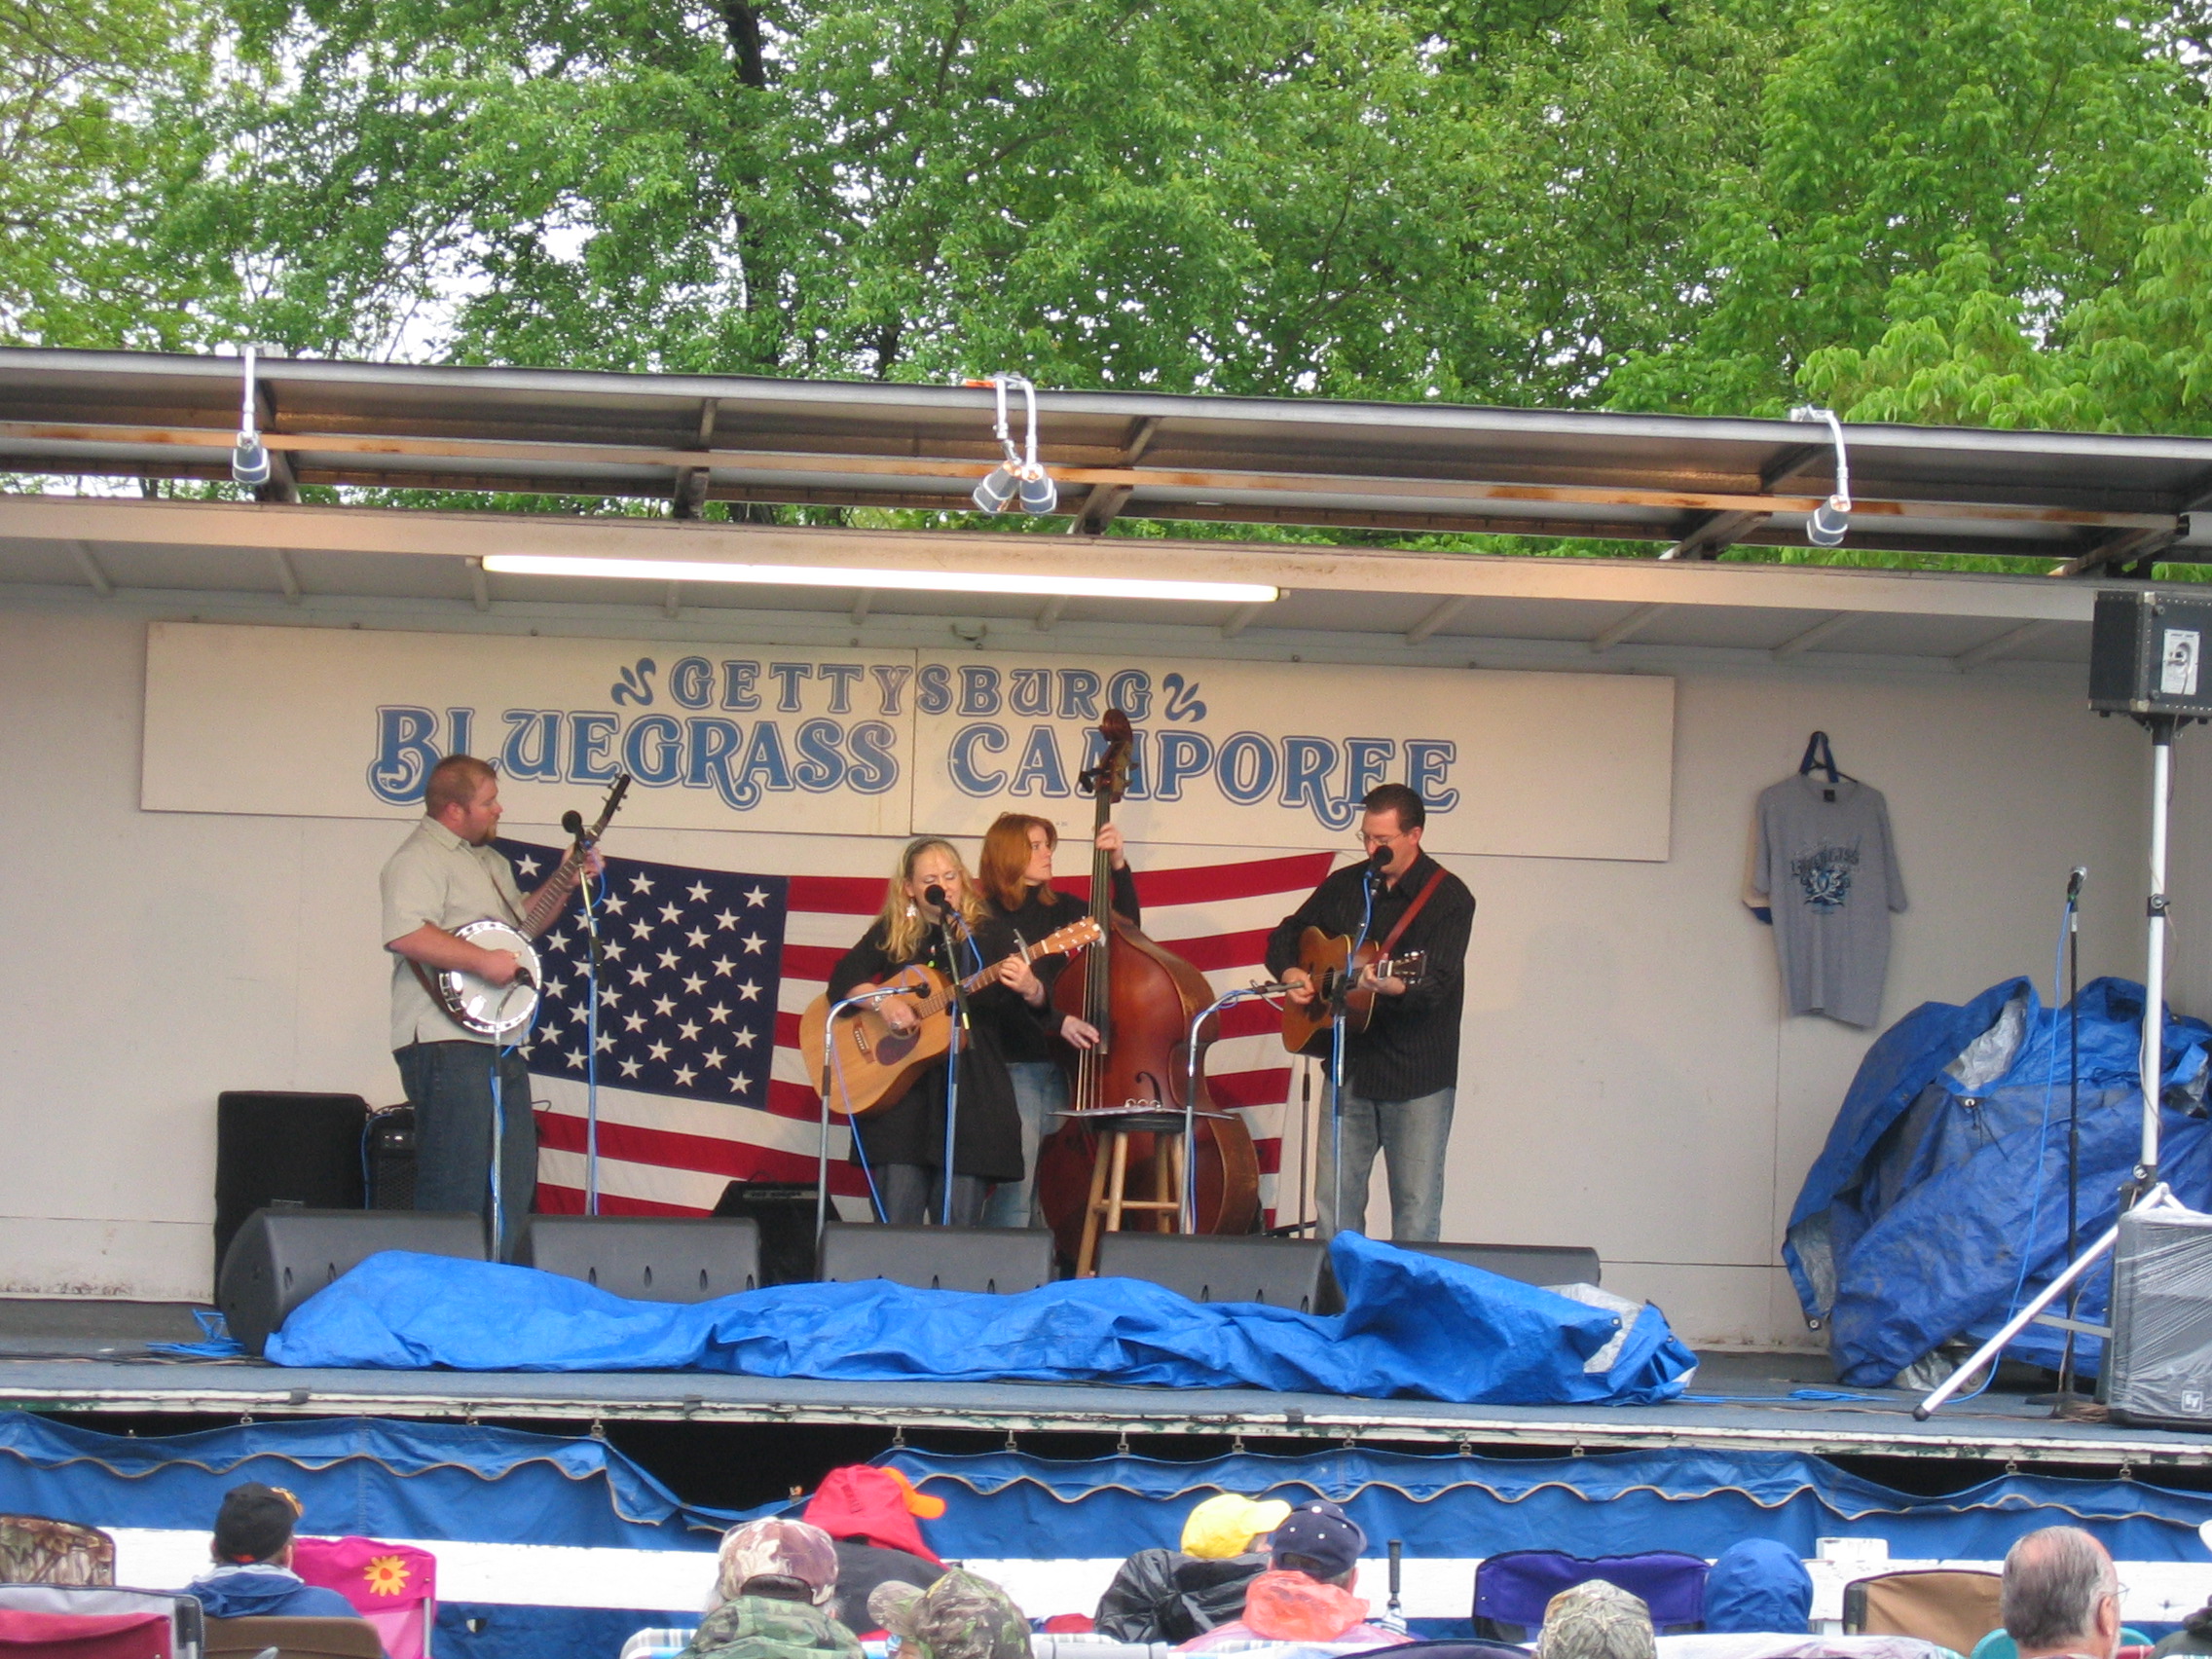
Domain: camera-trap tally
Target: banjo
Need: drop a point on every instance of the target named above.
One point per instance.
(495, 1011)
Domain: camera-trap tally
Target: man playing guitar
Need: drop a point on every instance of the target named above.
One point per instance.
(1402, 1072)
(445, 875)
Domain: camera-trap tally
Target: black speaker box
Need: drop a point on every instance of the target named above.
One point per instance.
(281, 1257)
(1282, 1272)
(2158, 1369)
(389, 1150)
(785, 1212)
(648, 1258)
(277, 1147)
(2147, 653)
(996, 1259)
(1530, 1264)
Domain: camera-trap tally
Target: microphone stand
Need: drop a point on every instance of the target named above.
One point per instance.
(1339, 997)
(592, 965)
(1189, 1214)
(2065, 1395)
(829, 1067)
(955, 1040)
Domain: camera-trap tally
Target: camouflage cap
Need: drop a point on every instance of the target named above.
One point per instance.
(1597, 1620)
(777, 1549)
(961, 1617)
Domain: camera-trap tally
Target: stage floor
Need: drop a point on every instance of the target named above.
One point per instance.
(81, 1357)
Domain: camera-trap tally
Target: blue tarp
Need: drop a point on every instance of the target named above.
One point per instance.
(1948, 1161)
(1414, 1326)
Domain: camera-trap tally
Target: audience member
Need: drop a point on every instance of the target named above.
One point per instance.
(872, 1514)
(1758, 1587)
(770, 1590)
(961, 1617)
(2194, 1636)
(1306, 1595)
(2061, 1596)
(1173, 1594)
(1597, 1620)
(253, 1577)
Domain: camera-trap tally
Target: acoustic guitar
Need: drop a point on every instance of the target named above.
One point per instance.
(1331, 965)
(498, 1011)
(872, 1065)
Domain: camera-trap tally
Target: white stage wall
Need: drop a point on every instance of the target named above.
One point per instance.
(1628, 1081)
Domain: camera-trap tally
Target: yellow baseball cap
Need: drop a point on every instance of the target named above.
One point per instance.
(1226, 1526)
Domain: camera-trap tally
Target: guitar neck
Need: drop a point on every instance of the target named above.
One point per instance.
(538, 914)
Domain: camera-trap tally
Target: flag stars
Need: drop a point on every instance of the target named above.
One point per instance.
(670, 913)
(698, 892)
(641, 928)
(722, 966)
(719, 1015)
(612, 903)
(697, 936)
(725, 919)
(749, 990)
(638, 976)
(557, 941)
(528, 866)
(742, 1083)
(630, 1068)
(757, 898)
(606, 1041)
(753, 943)
(633, 1022)
(613, 949)
(689, 1031)
(685, 1075)
(714, 1058)
(641, 883)
(744, 1037)
(664, 1006)
(668, 959)
(658, 1050)
(575, 1059)
(693, 983)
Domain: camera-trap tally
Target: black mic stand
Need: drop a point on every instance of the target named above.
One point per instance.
(2065, 1401)
(955, 1042)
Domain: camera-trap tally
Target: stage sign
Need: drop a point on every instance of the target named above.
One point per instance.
(347, 722)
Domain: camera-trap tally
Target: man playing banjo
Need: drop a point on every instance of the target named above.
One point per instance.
(444, 876)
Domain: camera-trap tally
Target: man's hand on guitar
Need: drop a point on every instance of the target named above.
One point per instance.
(1383, 986)
(500, 966)
(1301, 991)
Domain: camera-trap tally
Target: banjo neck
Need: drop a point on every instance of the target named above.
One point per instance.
(538, 914)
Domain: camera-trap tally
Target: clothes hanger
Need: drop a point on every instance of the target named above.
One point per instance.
(1819, 756)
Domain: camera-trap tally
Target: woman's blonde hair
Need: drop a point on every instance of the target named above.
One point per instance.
(902, 923)
(1004, 864)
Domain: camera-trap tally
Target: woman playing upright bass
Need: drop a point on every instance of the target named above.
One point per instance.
(1016, 874)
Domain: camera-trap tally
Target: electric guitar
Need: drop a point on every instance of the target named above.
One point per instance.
(495, 1010)
(1331, 965)
(864, 1064)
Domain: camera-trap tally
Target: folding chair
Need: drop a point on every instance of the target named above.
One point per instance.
(34, 1550)
(1954, 1608)
(1513, 1589)
(293, 1639)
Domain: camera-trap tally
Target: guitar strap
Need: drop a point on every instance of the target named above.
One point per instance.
(1390, 944)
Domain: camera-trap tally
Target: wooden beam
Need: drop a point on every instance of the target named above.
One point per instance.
(1627, 628)
(1239, 619)
(1103, 502)
(94, 576)
(860, 603)
(1439, 616)
(2010, 640)
(284, 482)
(691, 492)
(287, 579)
(479, 584)
(1715, 532)
(1816, 634)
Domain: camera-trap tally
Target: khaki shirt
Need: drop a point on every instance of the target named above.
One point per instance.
(437, 877)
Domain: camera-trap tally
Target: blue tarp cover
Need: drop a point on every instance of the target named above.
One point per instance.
(1948, 1161)
(1414, 1326)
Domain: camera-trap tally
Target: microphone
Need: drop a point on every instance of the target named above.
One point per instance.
(934, 896)
(1379, 861)
(2074, 882)
(571, 822)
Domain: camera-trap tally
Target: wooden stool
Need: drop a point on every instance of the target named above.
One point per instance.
(1109, 1182)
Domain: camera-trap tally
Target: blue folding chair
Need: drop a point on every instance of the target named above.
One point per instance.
(1512, 1590)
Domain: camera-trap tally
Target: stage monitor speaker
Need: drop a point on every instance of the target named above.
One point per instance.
(998, 1260)
(281, 1257)
(2158, 1370)
(648, 1258)
(1530, 1264)
(272, 1146)
(1282, 1272)
(389, 1141)
(785, 1211)
(2147, 653)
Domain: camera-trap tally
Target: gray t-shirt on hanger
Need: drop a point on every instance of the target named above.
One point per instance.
(1829, 869)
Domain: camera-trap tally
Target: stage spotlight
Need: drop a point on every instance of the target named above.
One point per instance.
(996, 489)
(249, 456)
(1021, 470)
(1832, 517)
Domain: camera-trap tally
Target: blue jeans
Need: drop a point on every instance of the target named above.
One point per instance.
(450, 1087)
(1040, 1088)
(1411, 1135)
(913, 1195)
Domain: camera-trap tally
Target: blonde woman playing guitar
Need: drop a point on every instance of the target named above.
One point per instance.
(445, 876)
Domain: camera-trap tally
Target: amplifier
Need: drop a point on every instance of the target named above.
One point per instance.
(2147, 653)
(785, 1212)
(283, 1146)
(2157, 1371)
(281, 1257)
(388, 1151)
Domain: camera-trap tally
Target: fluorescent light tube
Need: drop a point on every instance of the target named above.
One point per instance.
(843, 576)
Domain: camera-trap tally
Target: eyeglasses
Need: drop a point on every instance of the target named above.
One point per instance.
(1372, 841)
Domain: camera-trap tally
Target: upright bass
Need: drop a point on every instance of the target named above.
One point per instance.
(1142, 998)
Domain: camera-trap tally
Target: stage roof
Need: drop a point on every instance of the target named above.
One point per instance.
(1688, 488)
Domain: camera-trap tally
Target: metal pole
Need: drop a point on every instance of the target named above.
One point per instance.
(2073, 1129)
(829, 1072)
(2161, 727)
(1188, 1214)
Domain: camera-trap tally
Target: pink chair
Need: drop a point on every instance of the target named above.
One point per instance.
(394, 1586)
(84, 1635)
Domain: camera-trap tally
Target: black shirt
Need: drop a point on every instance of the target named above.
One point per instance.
(1411, 1047)
(1034, 918)
(987, 1139)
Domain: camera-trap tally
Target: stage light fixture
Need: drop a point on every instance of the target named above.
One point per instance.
(249, 456)
(1021, 472)
(1832, 517)
(847, 576)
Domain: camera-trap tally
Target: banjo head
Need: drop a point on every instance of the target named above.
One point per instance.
(495, 1010)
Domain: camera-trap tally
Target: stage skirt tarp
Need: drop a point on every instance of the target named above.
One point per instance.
(1414, 1326)
(1947, 1164)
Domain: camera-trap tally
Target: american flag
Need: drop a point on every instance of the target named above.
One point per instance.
(705, 973)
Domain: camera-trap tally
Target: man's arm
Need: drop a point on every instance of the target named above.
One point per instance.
(1451, 919)
(440, 951)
